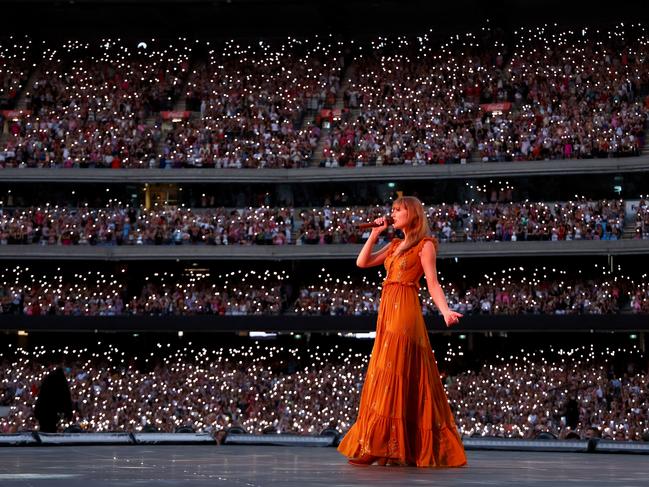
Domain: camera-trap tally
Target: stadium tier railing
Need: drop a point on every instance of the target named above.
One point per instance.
(343, 324)
(317, 174)
(314, 252)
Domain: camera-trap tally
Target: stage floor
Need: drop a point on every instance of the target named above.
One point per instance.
(252, 466)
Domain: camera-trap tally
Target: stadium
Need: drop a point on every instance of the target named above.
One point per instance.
(189, 195)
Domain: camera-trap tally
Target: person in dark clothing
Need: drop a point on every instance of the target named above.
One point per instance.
(54, 400)
(572, 412)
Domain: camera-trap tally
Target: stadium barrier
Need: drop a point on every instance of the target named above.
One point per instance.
(577, 248)
(564, 167)
(233, 437)
(297, 323)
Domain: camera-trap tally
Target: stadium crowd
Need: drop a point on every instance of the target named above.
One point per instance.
(574, 395)
(479, 221)
(122, 225)
(581, 95)
(105, 294)
(14, 68)
(508, 291)
(409, 112)
(117, 224)
(541, 93)
(557, 95)
(267, 388)
(252, 104)
(90, 106)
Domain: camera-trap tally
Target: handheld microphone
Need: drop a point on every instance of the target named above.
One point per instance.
(364, 226)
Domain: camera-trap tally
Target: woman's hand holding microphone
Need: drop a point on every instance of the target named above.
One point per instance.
(381, 225)
(378, 225)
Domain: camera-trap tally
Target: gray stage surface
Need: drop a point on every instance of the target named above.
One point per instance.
(250, 466)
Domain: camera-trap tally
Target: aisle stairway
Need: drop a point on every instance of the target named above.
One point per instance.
(21, 102)
(179, 105)
(628, 232)
(645, 149)
(347, 76)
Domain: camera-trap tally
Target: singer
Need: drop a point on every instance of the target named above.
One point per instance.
(404, 417)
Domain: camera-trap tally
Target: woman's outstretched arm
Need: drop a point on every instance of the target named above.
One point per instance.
(428, 257)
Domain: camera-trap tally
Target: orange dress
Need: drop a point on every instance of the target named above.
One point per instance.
(404, 414)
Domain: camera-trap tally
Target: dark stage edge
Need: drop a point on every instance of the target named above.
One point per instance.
(252, 466)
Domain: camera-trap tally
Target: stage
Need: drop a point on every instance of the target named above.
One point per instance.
(250, 466)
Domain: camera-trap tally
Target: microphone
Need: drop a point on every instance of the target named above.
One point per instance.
(364, 226)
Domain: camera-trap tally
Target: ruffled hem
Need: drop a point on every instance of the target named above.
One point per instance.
(404, 443)
(404, 415)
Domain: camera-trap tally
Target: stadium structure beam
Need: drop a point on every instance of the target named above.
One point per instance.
(319, 175)
(211, 323)
(315, 252)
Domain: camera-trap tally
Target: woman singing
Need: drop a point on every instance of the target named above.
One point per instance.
(404, 417)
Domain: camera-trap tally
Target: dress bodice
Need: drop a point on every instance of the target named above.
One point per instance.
(405, 268)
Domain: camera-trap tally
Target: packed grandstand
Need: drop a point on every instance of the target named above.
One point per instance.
(474, 222)
(508, 290)
(535, 94)
(305, 389)
(76, 115)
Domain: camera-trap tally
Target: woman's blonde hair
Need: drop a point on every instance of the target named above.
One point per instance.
(417, 226)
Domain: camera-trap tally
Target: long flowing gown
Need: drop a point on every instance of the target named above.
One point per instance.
(404, 413)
